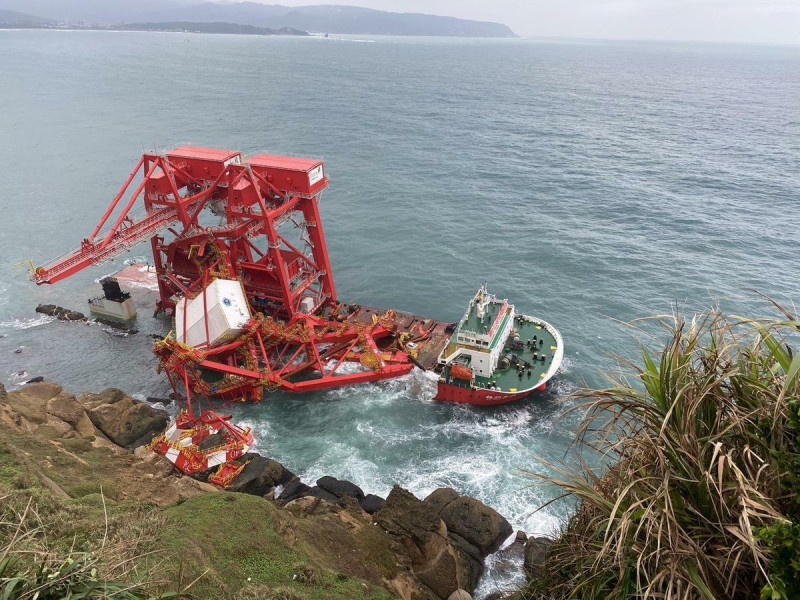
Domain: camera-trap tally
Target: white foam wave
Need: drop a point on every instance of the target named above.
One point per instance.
(27, 323)
(339, 39)
(261, 432)
(17, 379)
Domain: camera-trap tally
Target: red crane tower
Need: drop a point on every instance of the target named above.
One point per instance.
(210, 214)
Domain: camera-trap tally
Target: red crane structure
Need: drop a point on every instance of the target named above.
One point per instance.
(210, 214)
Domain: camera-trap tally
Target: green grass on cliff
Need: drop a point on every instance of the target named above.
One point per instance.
(230, 542)
(703, 498)
(228, 546)
(12, 473)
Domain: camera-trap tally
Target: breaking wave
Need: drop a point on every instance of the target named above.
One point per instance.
(27, 323)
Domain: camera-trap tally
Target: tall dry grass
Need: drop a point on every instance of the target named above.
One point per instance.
(52, 550)
(702, 499)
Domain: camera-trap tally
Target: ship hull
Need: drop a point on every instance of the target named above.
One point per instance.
(480, 397)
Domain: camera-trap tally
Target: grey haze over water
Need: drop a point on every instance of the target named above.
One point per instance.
(589, 183)
(753, 21)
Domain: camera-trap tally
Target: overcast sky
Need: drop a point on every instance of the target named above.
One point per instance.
(775, 21)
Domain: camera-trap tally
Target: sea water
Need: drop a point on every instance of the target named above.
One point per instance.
(591, 183)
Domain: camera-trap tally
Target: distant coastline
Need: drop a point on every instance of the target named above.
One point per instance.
(248, 18)
(172, 27)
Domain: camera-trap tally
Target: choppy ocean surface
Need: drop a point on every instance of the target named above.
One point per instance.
(590, 183)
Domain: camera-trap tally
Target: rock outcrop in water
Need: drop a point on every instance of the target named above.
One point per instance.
(61, 313)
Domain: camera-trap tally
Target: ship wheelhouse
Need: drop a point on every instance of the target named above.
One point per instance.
(479, 339)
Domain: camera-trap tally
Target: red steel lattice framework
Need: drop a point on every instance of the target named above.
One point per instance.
(299, 338)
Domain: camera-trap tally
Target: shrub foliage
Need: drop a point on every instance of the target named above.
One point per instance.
(703, 498)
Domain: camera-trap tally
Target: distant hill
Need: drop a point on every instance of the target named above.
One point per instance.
(211, 28)
(334, 19)
(12, 17)
(320, 18)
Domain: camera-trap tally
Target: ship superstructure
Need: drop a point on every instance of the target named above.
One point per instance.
(497, 355)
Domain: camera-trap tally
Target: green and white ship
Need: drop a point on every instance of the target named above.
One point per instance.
(497, 355)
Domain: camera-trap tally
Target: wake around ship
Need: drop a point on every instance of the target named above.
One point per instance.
(497, 355)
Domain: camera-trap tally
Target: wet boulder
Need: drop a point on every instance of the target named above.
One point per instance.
(340, 487)
(70, 315)
(535, 555)
(318, 492)
(371, 503)
(61, 313)
(477, 523)
(212, 441)
(128, 422)
(472, 560)
(440, 498)
(407, 517)
(51, 310)
(259, 475)
(293, 490)
(435, 561)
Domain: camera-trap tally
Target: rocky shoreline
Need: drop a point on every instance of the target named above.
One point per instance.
(435, 548)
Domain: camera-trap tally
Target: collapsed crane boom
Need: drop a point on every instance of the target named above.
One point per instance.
(217, 226)
(118, 231)
(211, 215)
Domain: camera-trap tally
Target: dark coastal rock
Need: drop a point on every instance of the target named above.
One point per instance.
(477, 523)
(18, 351)
(403, 514)
(371, 503)
(293, 490)
(3, 393)
(51, 310)
(445, 573)
(340, 487)
(259, 475)
(35, 380)
(466, 547)
(125, 421)
(204, 476)
(435, 561)
(440, 498)
(510, 558)
(535, 554)
(318, 492)
(472, 560)
(61, 313)
(70, 315)
(127, 327)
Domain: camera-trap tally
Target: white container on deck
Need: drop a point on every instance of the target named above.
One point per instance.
(227, 314)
